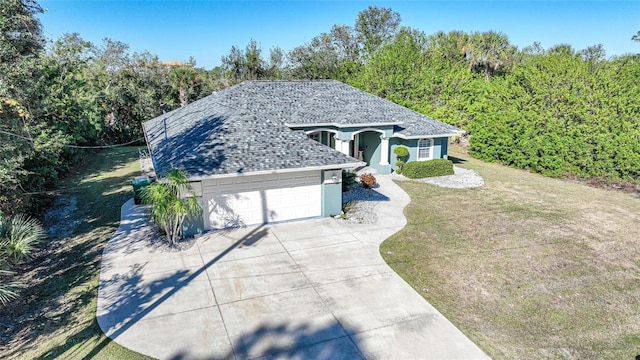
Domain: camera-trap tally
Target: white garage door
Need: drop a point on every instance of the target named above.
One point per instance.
(259, 199)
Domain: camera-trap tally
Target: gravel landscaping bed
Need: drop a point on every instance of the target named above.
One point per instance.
(461, 179)
(365, 200)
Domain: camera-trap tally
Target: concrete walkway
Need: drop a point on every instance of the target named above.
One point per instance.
(307, 290)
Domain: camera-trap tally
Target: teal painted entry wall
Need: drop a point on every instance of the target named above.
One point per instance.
(349, 133)
(369, 140)
(440, 148)
(331, 194)
(193, 226)
(371, 145)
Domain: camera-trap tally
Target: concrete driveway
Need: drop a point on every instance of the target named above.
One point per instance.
(307, 290)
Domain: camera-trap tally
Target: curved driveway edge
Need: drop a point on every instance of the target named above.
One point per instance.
(308, 290)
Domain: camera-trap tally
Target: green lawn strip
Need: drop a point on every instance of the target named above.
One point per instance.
(56, 317)
(526, 266)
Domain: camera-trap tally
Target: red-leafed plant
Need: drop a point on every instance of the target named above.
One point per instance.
(367, 180)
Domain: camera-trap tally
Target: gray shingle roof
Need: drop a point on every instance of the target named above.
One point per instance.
(417, 125)
(206, 138)
(244, 128)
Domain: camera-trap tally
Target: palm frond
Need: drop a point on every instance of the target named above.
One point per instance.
(172, 201)
(21, 237)
(3, 225)
(7, 289)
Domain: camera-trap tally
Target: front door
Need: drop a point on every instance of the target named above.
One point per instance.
(370, 146)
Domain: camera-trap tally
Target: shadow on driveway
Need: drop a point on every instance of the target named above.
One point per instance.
(134, 297)
(276, 340)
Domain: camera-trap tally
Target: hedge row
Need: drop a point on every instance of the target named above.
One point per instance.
(424, 169)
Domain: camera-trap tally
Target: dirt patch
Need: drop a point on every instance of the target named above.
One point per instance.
(62, 219)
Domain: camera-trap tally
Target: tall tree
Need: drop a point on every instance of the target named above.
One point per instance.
(375, 26)
(345, 42)
(593, 54)
(317, 59)
(451, 46)
(132, 88)
(332, 55)
(393, 71)
(489, 51)
(21, 44)
(67, 112)
(246, 64)
(184, 80)
(69, 103)
(275, 66)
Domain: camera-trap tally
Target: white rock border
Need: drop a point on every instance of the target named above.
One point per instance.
(461, 179)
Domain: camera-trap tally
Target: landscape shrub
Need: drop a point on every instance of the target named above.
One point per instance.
(402, 154)
(348, 179)
(368, 181)
(19, 236)
(431, 168)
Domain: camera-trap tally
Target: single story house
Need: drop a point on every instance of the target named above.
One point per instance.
(270, 151)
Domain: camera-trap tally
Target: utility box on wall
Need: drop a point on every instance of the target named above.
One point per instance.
(332, 176)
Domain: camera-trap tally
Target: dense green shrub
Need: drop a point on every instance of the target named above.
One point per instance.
(401, 152)
(565, 120)
(556, 111)
(349, 178)
(431, 168)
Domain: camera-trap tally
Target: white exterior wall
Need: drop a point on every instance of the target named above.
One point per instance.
(258, 199)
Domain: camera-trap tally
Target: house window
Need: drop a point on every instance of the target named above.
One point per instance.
(425, 151)
(315, 136)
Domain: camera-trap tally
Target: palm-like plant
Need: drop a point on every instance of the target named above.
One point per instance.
(19, 236)
(489, 51)
(171, 203)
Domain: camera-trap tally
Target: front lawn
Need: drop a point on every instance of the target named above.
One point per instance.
(526, 266)
(56, 314)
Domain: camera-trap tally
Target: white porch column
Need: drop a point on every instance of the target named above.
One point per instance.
(342, 146)
(384, 150)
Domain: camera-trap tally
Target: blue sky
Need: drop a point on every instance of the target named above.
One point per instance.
(206, 30)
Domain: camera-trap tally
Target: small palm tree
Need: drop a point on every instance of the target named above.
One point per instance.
(488, 51)
(171, 203)
(19, 236)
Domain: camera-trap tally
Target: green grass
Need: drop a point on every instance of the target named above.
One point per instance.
(526, 266)
(56, 315)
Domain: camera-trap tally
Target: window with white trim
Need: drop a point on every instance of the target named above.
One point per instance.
(425, 149)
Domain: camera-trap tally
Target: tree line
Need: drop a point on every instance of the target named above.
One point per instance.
(59, 99)
(557, 111)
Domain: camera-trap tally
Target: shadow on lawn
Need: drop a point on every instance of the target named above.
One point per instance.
(456, 160)
(61, 281)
